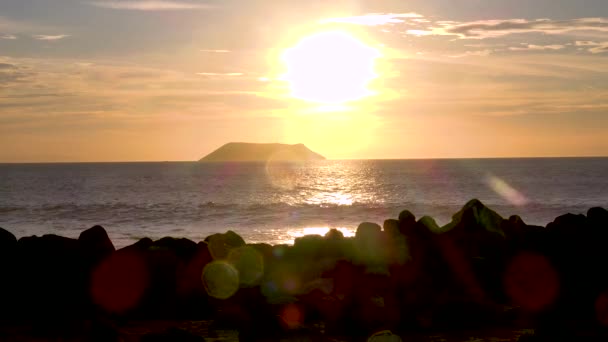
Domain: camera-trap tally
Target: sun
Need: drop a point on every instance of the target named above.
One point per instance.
(330, 67)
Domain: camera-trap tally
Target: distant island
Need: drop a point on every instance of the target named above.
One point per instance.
(249, 152)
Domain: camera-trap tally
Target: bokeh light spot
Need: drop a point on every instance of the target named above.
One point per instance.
(531, 281)
(119, 282)
(220, 279)
(249, 264)
(601, 309)
(292, 316)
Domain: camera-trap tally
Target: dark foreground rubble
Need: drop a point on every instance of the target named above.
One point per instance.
(408, 277)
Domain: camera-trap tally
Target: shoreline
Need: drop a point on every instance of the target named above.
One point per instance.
(408, 276)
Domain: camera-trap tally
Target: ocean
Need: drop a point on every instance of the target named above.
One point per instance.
(277, 202)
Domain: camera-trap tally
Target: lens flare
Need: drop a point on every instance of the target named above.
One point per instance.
(221, 279)
(506, 191)
(249, 263)
(119, 282)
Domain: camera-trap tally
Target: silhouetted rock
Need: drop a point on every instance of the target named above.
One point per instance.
(367, 229)
(51, 279)
(182, 248)
(141, 245)
(221, 244)
(391, 227)
(475, 215)
(370, 247)
(334, 234)
(8, 245)
(7, 240)
(95, 244)
(407, 222)
(406, 275)
(172, 335)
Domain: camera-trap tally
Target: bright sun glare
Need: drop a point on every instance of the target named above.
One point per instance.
(330, 67)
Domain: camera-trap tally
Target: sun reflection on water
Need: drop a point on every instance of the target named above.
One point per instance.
(325, 199)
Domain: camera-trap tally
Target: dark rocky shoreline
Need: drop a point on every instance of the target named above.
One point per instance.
(410, 277)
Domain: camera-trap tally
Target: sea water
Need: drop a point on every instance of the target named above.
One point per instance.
(277, 202)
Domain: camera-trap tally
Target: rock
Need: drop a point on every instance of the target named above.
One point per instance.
(308, 245)
(391, 227)
(598, 217)
(475, 215)
(192, 297)
(141, 245)
(172, 335)
(367, 229)
(221, 244)
(334, 234)
(406, 217)
(429, 224)
(407, 222)
(182, 248)
(8, 246)
(264, 249)
(51, 280)
(95, 244)
(371, 247)
(568, 224)
(7, 240)
(384, 336)
(396, 243)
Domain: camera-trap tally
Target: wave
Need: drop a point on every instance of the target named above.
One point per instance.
(139, 213)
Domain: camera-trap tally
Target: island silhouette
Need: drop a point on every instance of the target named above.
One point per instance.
(252, 152)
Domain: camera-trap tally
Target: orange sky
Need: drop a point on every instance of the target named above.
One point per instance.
(173, 80)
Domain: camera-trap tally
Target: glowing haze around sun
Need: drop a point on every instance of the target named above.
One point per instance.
(330, 68)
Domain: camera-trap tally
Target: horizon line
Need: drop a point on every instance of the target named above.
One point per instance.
(327, 159)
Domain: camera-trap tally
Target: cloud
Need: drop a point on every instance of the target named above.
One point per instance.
(150, 5)
(373, 19)
(479, 53)
(593, 47)
(5, 66)
(600, 48)
(532, 47)
(50, 37)
(11, 74)
(585, 43)
(8, 36)
(496, 28)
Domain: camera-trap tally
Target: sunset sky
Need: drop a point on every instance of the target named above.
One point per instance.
(112, 80)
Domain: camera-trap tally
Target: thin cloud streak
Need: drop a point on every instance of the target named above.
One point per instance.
(150, 5)
(593, 47)
(8, 37)
(373, 19)
(496, 28)
(50, 37)
(480, 53)
(532, 47)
